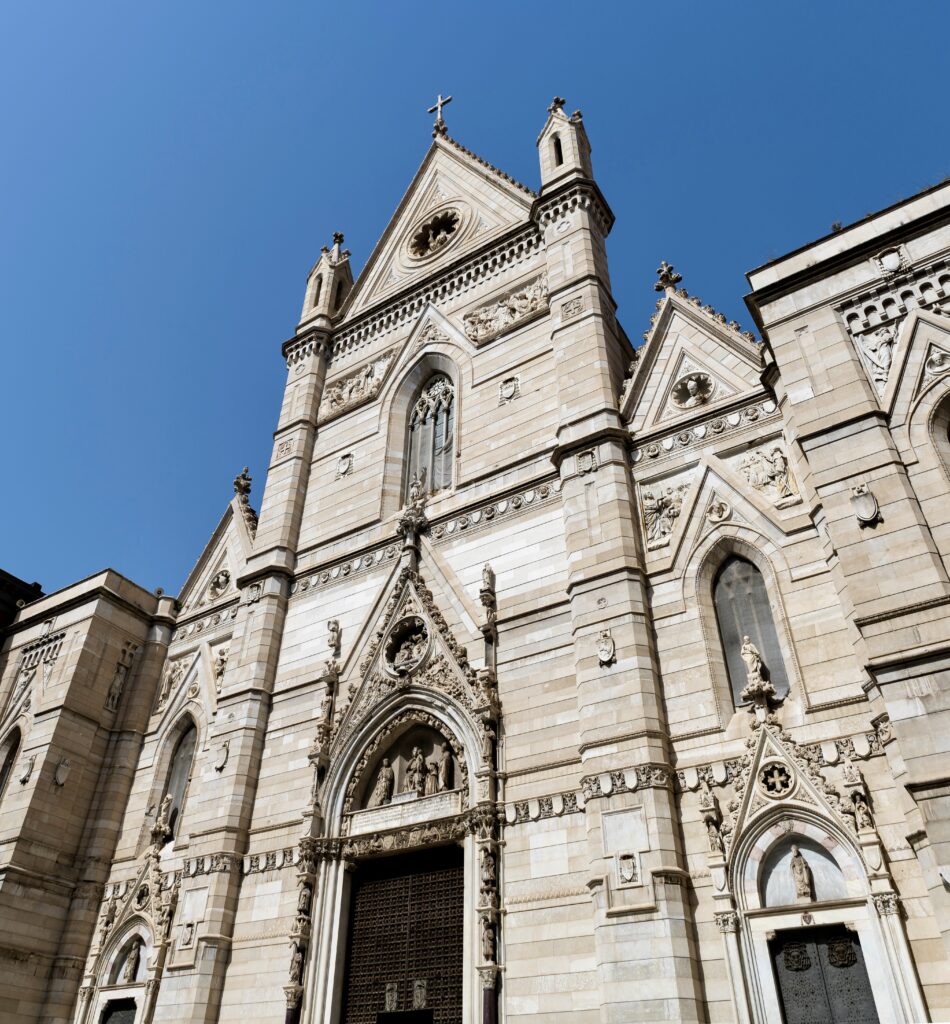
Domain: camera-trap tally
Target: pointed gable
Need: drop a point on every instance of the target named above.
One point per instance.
(693, 361)
(456, 203)
(213, 579)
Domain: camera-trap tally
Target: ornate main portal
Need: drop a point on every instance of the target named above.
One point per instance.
(404, 959)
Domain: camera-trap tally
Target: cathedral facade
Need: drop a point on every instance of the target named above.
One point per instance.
(554, 680)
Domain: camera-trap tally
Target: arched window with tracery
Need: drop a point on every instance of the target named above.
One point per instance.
(8, 753)
(743, 610)
(432, 435)
(178, 774)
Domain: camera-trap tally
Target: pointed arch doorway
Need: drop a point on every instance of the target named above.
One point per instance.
(404, 960)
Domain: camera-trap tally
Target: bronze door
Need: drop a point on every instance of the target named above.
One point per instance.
(821, 977)
(404, 959)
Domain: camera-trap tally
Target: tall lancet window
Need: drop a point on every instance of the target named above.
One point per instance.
(432, 435)
(178, 775)
(8, 753)
(743, 610)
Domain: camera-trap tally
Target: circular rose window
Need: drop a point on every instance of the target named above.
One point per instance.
(434, 234)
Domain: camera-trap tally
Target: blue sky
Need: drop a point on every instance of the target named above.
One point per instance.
(171, 170)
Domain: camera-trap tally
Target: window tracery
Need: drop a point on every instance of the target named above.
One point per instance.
(432, 436)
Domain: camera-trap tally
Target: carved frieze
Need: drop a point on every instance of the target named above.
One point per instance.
(358, 386)
(660, 506)
(495, 318)
(704, 433)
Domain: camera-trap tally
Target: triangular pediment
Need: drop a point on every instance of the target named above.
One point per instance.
(691, 364)
(921, 358)
(409, 646)
(451, 183)
(213, 580)
(779, 775)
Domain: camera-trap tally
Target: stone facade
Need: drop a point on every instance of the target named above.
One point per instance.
(634, 815)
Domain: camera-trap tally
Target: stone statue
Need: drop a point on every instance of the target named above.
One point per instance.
(488, 742)
(850, 772)
(296, 966)
(132, 961)
(416, 773)
(660, 512)
(164, 813)
(116, 686)
(862, 813)
(489, 877)
(715, 839)
(707, 802)
(432, 779)
(445, 769)
(303, 900)
(753, 661)
(801, 876)
(220, 664)
(383, 790)
(488, 577)
(417, 488)
(779, 473)
(488, 941)
(333, 637)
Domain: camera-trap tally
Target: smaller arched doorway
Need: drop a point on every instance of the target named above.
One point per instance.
(817, 946)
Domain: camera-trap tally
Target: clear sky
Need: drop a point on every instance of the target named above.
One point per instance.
(170, 171)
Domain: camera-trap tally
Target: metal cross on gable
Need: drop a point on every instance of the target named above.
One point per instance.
(440, 102)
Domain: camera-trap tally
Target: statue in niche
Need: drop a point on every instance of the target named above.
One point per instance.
(220, 664)
(707, 802)
(383, 790)
(862, 813)
(416, 773)
(801, 876)
(488, 741)
(851, 772)
(303, 900)
(445, 769)
(132, 962)
(488, 941)
(432, 779)
(878, 349)
(296, 966)
(715, 839)
(488, 873)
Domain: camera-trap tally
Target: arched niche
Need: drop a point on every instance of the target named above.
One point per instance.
(777, 880)
(129, 966)
(410, 743)
(761, 858)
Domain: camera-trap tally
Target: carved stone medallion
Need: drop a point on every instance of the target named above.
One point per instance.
(692, 390)
(407, 646)
(434, 234)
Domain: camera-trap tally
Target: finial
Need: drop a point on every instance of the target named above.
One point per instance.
(337, 237)
(668, 278)
(439, 127)
(557, 104)
(242, 483)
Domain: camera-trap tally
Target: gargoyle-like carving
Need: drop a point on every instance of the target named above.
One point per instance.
(242, 488)
(489, 321)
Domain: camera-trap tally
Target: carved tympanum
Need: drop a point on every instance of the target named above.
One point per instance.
(692, 390)
(407, 646)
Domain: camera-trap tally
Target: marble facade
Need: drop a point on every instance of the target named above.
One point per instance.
(634, 828)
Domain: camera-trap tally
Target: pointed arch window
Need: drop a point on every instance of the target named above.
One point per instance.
(743, 610)
(8, 753)
(318, 287)
(432, 435)
(178, 774)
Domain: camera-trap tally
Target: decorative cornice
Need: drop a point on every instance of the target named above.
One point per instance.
(574, 195)
(542, 807)
(297, 348)
(477, 518)
(409, 305)
(676, 439)
(199, 625)
(627, 780)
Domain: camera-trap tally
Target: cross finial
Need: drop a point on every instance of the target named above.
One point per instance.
(439, 127)
(557, 104)
(668, 278)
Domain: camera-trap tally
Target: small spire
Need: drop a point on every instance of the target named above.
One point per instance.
(668, 278)
(439, 127)
(557, 104)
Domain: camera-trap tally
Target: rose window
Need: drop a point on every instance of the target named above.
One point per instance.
(775, 780)
(434, 234)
